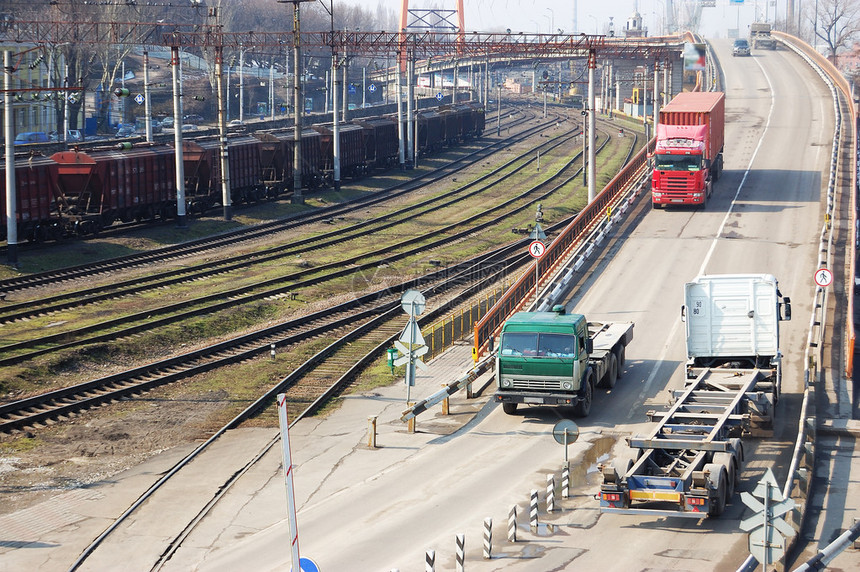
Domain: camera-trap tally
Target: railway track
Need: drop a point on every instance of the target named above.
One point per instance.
(54, 405)
(124, 326)
(323, 214)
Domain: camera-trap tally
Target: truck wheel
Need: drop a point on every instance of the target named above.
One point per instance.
(620, 356)
(727, 460)
(509, 408)
(611, 374)
(583, 406)
(717, 480)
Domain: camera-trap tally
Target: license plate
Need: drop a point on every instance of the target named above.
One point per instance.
(533, 400)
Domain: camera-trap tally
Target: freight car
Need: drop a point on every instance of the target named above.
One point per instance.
(277, 149)
(76, 193)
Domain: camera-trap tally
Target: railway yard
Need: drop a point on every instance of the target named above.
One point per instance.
(172, 341)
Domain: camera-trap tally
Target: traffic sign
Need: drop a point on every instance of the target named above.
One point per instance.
(412, 334)
(307, 565)
(536, 249)
(565, 432)
(412, 302)
(439, 96)
(416, 351)
(372, 87)
(823, 277)
(139, 99)
(766, 544)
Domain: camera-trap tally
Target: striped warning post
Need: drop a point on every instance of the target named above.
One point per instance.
(550, 493)
(461, 552)
(565, 482)
(512, 524)
(488, 538)
(533, 510)
(430, 561)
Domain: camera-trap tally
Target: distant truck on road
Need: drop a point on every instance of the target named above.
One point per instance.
(554, 358)
(689, 465)
(688, 156)
(760, 36)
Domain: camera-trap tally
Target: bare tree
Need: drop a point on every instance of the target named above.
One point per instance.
(835, 22)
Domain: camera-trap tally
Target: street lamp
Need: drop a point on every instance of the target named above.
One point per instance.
(551, 20)
(595, 23)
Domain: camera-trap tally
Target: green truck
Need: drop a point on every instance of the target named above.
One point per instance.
(555, 358)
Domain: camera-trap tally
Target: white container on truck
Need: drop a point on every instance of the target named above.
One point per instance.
(554, 358)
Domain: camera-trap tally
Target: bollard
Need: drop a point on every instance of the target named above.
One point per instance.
(272, 351)
(410, 425)
(445, 403)
(565, 482)
(550, 493)
(371, 431)
(512, 524)
(430, 561)
(461, 552)
(533, 510)
(469, 394)
(488, 538)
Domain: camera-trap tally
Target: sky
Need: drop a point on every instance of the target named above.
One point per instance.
(544, 16)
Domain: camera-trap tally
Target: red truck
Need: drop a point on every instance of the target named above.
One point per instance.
(688, 156)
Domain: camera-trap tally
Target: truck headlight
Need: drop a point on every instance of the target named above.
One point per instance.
(506, 383)
(566, 385)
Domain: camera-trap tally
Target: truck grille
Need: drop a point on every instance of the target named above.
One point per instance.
(537, 384)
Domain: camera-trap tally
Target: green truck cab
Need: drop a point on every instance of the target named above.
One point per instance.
(554, 358)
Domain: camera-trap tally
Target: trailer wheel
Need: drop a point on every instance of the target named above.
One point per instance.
(717, 478)
(509, 408)
(611, 375)
(727, 460)
(583, 406)
(620, 356)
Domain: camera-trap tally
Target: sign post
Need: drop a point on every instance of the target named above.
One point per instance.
(536, 249)
(411, 342)
(767, 529)
(288, 476)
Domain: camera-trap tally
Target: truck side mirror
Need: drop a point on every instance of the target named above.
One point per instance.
(490, 344)
(683, 313)
(787, 302)
(589, 346)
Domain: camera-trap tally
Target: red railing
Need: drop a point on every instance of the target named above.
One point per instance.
(556, 252)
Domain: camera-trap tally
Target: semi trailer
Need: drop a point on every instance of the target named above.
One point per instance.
(689, 463)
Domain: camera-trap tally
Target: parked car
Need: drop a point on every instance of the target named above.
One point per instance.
(125, 131)
(74, 136)
(31, 137)
(189, 127)
(741, 47)
(192, 119)
(236, 123)
(167, 123)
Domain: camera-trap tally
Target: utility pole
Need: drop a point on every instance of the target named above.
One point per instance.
(298, 101)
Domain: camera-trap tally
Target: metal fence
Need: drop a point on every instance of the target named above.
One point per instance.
(459, 325)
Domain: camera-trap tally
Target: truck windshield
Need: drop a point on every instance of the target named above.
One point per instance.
(538, 345)
(679, 162)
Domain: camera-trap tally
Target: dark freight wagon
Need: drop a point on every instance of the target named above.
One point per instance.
(34, 184)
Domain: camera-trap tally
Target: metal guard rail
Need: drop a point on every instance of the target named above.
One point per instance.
(840, 81)
(518, 293)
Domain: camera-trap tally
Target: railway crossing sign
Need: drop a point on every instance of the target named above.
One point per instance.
(767, 529)
(823, 277)
(536, 249)
(138, 99)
